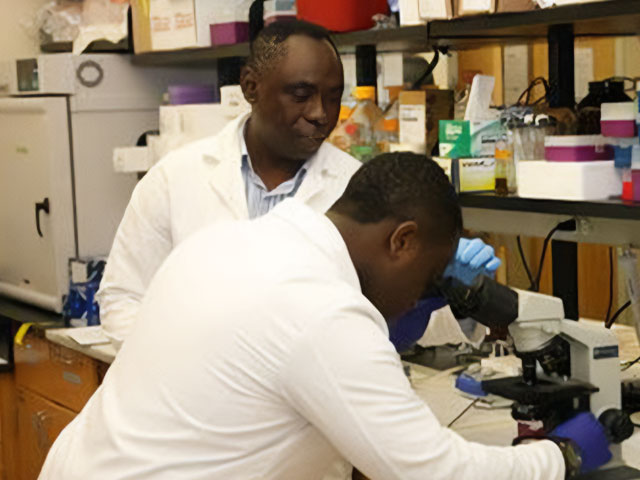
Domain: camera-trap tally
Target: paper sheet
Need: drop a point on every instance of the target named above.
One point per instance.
(86, 336)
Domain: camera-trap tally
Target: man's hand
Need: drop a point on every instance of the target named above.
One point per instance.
(473, 258)
(586, 436)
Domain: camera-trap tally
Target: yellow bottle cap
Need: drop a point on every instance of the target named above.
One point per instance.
(365, 93)
(345, 112)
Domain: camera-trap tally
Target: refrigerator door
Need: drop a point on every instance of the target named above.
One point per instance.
(36, 207)
(102, 194)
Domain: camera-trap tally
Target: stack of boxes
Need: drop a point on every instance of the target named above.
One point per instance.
(467, 147)
(618, 123)
(467, 151)
(176, 24)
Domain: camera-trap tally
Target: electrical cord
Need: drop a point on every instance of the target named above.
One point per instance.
(535, 286)
(526, 95)
(430, 68)
(610, 285)
(467, 408)
(617, 314)
(628, 365)
(567, 225)
(524, 260)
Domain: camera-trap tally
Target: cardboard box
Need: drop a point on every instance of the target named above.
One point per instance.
(469, 174)
(410, 13)
(475, 7)
(436, 9)
(412, 115)
(173, 24)
(141, 26)
(206, 13)
(464, 139)
(455, 138)
(515, 5)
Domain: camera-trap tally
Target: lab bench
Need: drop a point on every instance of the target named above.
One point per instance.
(495, 426)
(54, 377)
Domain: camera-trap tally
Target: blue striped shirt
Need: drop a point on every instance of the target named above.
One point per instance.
(259, 199)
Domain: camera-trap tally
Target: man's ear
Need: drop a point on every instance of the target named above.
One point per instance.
(404, 239)
(249, 84)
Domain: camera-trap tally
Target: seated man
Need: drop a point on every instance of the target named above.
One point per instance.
(281, 360)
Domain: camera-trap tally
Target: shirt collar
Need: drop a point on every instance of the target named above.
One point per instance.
(287, 186)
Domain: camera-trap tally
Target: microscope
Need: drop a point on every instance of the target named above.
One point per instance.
(567, 366)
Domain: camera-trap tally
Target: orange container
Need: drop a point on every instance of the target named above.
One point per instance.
(341, 15)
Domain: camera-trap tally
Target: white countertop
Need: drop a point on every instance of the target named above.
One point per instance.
(105, 352)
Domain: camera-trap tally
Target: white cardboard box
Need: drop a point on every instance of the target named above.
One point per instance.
(173, 24)
(435, 9)
(410, 13)
(568, 180)
(206, 13)
(474, 7)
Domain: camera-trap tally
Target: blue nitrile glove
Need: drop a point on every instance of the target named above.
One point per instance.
(410, 328)
(585, 431)
(473, 258)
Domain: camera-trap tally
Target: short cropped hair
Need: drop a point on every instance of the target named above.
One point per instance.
(403, 186)
(268, 46)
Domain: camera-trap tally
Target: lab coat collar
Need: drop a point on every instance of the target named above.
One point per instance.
(225, 155)
(322, 233)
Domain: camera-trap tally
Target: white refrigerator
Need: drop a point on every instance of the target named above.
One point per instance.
(59, 195)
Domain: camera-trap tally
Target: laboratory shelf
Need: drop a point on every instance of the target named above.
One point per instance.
(191, 56)
(98, 46)
(605, 18)
(414, 39)
(610, 209)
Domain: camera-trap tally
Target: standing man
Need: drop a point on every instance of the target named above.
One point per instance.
(294, 83)
(282, 363)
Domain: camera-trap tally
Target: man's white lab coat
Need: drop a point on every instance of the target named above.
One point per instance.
(190, 188)
(256, 356)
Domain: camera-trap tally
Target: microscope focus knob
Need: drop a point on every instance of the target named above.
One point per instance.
(617, 424)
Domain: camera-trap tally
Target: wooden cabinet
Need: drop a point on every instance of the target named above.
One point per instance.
(8, 426)
(48, 388)
(39, 423)
(55, 372)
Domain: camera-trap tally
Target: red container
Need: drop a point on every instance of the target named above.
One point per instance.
(341, 15)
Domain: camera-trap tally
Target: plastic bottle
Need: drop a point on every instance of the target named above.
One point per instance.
(505, 165)
(387, 127)
(356, 135)
(635, 179)
(607, 91)
(386, 134)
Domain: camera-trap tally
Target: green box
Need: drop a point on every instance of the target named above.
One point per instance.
(464, 139)
(455, 138)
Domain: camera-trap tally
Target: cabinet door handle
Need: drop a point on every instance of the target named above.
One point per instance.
(44, 205)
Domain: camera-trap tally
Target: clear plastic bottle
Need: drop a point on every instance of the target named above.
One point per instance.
(505, 165)
(386, 134)
(357, 134)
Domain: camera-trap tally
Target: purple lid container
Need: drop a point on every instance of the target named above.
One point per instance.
(577, 148)
(618, 128)
(186, 94)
